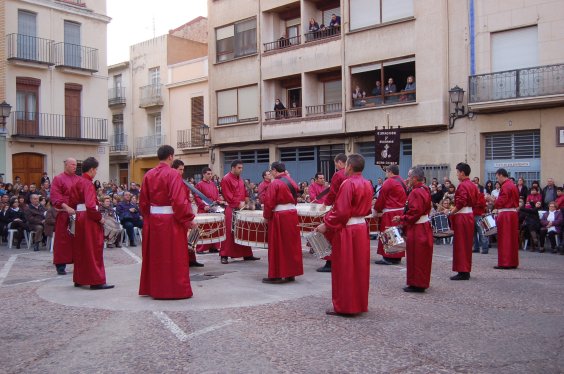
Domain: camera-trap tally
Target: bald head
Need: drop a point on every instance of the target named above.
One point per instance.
(70, 166)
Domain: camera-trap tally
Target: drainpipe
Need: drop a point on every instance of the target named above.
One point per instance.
(472, 39)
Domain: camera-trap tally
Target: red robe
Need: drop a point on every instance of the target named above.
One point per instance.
(263, 186)
(233, 190)
(209, 189)
(63, 245)
(419, 240)
(314, 190)
(466, 195)
(350, 269)
(164, 271)
(392, 196)
(507, 225)
(88, 249)
(284, 241)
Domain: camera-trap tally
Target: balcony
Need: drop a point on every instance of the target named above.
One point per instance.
(534, 87)
(291, 113)
(116, 96)
(76, 57)
(316, 110)
(118, 143)
(395, 98)
(151, 96)
(282, 43)
(328, 32)
(190, 138)
(148, 145)
(57, 126)
(29, 49)
(74, 2)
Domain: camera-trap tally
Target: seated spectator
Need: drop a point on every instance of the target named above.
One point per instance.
(551, 223)
(530, 224)
(409, 86)
(390, 88)
(134, 189)
(16, 220)
(112, 230)
(523, 190)
(450, 192)
(4, 206)
(45, 190)
(35, 218)
(279, 109)
(128, 213)
(313, 25)
(335, 21)
(22, 202)
(534, 196)
(444, 207)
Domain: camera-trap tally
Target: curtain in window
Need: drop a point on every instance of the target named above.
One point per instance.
(245, 38)
(247, 103)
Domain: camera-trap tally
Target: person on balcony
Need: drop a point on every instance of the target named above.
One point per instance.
(390, 88)
(313, 28)
(409, 86)
(335, 23)
(377, 91)
(280, 109)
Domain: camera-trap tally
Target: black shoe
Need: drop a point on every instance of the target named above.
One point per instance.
(414, 289)
(273, 280)
(214, 250)
(331, 312)
(61, 272)
(132, 244)
(77, 285)
(476, 251)
(325, 268)
(104, 286)
(196, 264)
(485, 252)
(224, 260)
(382, 262)
(460, 277)
(61, 269)
(251, 258)
(36, 247)
(505, 267)
(18, 245)
(290, 279)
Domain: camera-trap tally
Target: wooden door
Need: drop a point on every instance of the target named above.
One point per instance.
(123, 174)
(72, 110)
(28, 166)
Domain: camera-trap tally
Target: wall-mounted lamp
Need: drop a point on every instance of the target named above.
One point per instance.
(205, 134)
(456, 96)
(5, 110)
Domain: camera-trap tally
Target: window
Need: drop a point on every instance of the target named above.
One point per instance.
(27, 32)
(73, 56)
(117, 83)
(27, 94)
(515, 49)
(332, 92)
(237, 105)
(119, 133)
(518, 145)
(364, 13)
(297, 154)
(158, 128)
(293, 30)
(197, 111)
(154, 76)
(236, 40)
(389, 82)
(438, 171)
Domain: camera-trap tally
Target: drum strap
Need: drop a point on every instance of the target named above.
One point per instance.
(292, 189)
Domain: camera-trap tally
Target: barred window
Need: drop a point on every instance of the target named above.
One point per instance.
(517, 145)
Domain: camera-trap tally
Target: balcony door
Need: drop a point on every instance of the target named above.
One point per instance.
(27, 94)
(72, 44)
(27, 33)
(72, 110)
(294, 102)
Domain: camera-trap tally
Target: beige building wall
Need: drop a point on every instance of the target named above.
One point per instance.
(50, 25)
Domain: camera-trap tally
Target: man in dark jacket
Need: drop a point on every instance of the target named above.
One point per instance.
(129, 216)
(35, 217)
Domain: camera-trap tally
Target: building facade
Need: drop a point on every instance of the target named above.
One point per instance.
(342, 68)
(54, 76)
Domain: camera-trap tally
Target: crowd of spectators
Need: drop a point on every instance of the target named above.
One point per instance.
(388, 94)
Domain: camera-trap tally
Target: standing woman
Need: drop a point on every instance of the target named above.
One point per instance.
(489, 187)
(523, 190)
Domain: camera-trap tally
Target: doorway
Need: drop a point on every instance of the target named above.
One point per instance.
(28, 166)
(72, 110)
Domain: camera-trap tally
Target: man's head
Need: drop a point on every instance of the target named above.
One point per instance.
(165, 153)
(501, 175)
(392, 170)
(127, 196)
(34, 199)
(5, 199)
(462, 170)
(207, 174)
(476, 180)
(18, 179)
(380, 181)
(46, 185)
(277, 168)
(417, 175)
(550, 182)
(32, 187)
(90, 166)
(106, 201)
(237, 167)
(69, 166)
(266, 175)
(319, 178)
(178, 165)
(355, 164)
(133, 186)
(340, 161)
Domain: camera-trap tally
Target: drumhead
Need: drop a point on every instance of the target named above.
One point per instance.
(250, 216)
(209, 217)
(310, 210)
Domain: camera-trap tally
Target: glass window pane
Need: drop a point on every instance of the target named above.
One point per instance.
(247, 103)
(227, 103)
(364, 13)
(396, 9)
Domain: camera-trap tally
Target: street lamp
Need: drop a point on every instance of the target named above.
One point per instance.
(456, 96)
(204, 133)
(5, 110)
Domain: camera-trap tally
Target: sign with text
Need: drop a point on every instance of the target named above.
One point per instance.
(387, 147)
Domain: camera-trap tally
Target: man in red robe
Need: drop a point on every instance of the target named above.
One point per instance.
(316, 188)
(462, 219)
(350, 273)
(338, 178)
(419, 242)
(234, 193)
(60, 190)
(209, 189)
(178, 165)
(390, 203)
(507, 222)
(167, 212)
(263, 186)
(284, 242)
(88, 249)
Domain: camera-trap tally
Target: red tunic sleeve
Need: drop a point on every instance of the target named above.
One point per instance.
(341, 212)
(336, 182)
(418, 204)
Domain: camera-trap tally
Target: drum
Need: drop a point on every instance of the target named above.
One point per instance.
(211, 227)
(440, 224)
(319, 244)
(372, 222)
(488, 225)
(310, 216)
(392, 240)
(250, 229)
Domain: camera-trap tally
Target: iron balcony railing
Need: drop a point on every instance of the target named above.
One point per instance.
(519, 83)
(118, 143)
(282, 43)
(190, 138)
(151, 95)
(116, 96)
(323, 109)
(148, 145)
(29, 48)
(283, 114)
(74, 2)
(58, 126)
(76, 56)
(328, 32)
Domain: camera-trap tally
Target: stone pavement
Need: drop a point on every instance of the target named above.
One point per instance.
(498, 322)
